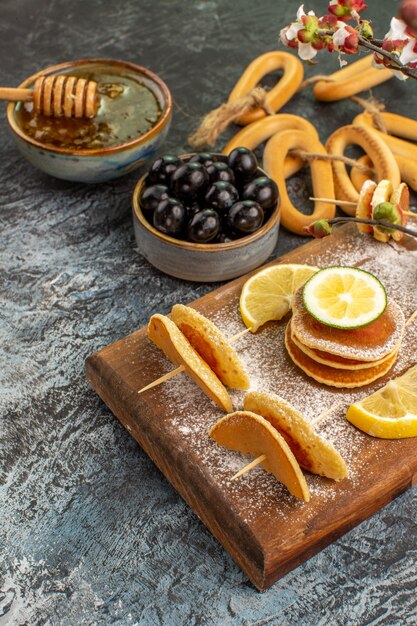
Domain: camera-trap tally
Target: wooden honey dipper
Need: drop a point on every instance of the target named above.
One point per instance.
(58, 96)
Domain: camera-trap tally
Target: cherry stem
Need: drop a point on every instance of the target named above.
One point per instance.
(381, 223)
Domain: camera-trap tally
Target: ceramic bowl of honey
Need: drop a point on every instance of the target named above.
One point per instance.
(131, 123)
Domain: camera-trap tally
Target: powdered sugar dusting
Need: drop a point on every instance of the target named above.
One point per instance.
(257, 495)
(382, 346)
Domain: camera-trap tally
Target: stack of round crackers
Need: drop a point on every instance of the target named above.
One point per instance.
(344, 357)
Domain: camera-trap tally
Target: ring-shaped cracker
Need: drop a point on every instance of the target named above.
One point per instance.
(275, 154)
(397, 125)
(399, 130)
(280, 94)
(252, 135)
(212, 345)
(407, 167)
(385, 164)
(359, 177)
(350, 80)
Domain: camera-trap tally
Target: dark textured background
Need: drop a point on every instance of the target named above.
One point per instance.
(91, 532)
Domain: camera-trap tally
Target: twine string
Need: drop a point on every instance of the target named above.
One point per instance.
(312, 156)
(374, 107)
(217, 120)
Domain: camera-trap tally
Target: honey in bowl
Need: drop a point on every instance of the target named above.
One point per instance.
(128, 109)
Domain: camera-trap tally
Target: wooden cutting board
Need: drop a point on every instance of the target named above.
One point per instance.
(266, 531)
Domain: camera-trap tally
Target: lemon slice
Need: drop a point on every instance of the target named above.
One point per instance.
(344, 297)
(390, 412)
(267, 295)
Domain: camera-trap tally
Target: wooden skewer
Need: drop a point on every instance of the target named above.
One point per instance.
(262, 457)
(318, 419)
(163, 378)
(347, 203)
(332, 201)
(239, 335)
(250, 466)
(181, 368)
(58, 96)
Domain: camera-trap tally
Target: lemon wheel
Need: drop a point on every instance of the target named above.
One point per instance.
(268, 294)
(344, 297)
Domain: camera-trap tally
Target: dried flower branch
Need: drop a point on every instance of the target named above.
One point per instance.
(309, 34)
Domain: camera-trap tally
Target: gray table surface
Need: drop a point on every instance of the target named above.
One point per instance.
(90, 531)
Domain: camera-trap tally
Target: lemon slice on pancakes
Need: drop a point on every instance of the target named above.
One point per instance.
(390, 412)
(267, 295)
(344, 297)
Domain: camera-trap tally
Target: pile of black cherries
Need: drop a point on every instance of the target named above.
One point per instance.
(208, 198)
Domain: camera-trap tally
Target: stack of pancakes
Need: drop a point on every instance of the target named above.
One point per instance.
(344, 358)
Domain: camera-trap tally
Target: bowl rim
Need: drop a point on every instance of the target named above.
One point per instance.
(53, 69)
(190, 245)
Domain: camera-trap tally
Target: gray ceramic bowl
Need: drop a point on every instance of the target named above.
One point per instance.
(101, 164)
(210, 262)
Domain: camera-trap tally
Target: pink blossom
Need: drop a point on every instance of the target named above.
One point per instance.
(308, 34)
(380, 61)
(345, 39)
(288, 35)
(301, 13)
(408, 55)
(328, 21)
(398, 30)
(394, 42)
(345, 10)
(402, 44)
(303, 34)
